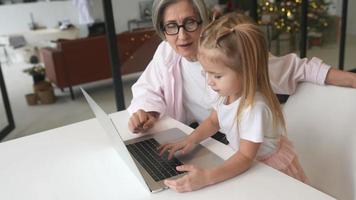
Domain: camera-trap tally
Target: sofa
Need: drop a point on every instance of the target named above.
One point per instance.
(321, 124)
(84, 60)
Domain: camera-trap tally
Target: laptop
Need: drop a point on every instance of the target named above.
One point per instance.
(141, 155)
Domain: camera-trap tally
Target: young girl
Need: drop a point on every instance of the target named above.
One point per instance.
(234, 56)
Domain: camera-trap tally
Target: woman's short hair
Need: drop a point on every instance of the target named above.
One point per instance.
(160, 5)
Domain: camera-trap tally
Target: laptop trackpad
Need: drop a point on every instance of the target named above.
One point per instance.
(201, 157)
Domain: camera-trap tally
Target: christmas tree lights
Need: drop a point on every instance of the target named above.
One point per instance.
(285, 14)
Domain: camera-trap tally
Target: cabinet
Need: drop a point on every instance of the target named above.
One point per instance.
(84, 60)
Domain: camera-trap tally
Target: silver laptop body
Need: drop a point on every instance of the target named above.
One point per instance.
(200, 156)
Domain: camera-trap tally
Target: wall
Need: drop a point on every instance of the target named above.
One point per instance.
(125, 10)
(16, 17)
(351, 19)
(351, 14)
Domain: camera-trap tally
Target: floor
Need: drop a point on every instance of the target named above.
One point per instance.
(37, 118)
(33, 119)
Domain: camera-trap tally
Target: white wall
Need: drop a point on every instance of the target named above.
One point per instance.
(351, 14)
(351, 18)
(125, 10)
(16, 17)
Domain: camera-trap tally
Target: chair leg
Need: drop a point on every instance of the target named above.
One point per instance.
(5, 54)
(8, 59)
(71, 93)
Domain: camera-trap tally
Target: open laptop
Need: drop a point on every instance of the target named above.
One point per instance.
(141, 155)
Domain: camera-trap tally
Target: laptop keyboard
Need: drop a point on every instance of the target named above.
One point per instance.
(159, 167)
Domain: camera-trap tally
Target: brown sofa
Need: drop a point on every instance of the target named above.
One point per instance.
(85, 60)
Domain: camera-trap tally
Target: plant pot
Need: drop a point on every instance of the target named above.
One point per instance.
(41, 86)
(46, 96)
(31, 99)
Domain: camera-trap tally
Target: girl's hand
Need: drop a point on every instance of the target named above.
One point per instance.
(195, 179)
(184, 146)
(141, 121)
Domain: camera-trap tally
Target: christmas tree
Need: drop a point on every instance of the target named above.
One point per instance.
(285, 14)
(318, 15)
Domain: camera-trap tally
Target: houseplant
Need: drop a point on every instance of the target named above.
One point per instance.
(37, 72)
(43, 90)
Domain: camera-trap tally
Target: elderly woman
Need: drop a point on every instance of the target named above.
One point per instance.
(173, 83)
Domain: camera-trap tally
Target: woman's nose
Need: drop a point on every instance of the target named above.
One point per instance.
(182, 34)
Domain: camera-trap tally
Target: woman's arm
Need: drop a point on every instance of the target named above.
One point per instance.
(148, 101)
(286, 72)
(341, 78)
(147, 91)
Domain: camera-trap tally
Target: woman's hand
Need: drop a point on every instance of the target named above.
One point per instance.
(353, 77)
(141, 121)
(184, 146)
(195, 179)
(341, 78)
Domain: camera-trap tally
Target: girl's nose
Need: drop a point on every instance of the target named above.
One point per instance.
(210, 81)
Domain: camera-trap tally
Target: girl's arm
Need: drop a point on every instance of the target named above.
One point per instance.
(236, 164)
(206, 129)
(197, 178)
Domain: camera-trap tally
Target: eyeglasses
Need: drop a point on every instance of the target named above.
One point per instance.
(190, 25)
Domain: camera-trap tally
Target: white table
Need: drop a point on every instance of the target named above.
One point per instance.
(35, 39)
(42, 37)
(78, 162)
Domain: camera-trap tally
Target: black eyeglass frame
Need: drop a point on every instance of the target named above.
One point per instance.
(182, 26)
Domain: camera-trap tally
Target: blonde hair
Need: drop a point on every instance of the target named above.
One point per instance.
(160, 5)
(241, 46)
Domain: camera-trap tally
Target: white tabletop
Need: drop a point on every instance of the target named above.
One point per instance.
(78, 162)
(43, 37)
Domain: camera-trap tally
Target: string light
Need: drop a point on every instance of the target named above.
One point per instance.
(286, 14)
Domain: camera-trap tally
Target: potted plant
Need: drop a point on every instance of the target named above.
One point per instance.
(42, 89)
(37, 72)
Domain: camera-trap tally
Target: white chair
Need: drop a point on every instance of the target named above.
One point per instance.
(321, 122)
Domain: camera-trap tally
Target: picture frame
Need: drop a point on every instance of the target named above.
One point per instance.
(146, 9)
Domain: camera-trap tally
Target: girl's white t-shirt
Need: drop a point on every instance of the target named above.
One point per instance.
(198, 98)
(255, 125)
